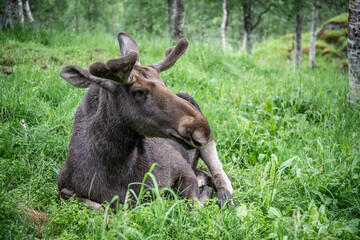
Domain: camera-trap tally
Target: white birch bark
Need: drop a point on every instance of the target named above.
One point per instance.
(354, 50)
(312, 47)
(243, 42)
(179, 21)
(171, 15)
(223, 26)
(20, 12)
(14, 11)
(28, 11)
(7, 19)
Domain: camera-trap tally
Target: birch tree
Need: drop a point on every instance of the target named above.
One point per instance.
(9, 10)
(11, 13)
(21, 12)
(14, 11)
(171, 15)
(176, 11)
(354, 50)
(28, 11)
(223, 26)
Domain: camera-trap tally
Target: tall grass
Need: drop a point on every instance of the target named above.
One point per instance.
(287, 140)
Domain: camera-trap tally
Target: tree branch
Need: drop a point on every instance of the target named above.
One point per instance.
(260, 15)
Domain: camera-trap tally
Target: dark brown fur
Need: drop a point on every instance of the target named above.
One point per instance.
(127, 121)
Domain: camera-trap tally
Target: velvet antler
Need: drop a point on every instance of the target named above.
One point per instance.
(172, 55)
(117, 70)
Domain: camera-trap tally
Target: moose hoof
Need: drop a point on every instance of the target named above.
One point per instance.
(225, 198)
(65, 194)
(207, 191)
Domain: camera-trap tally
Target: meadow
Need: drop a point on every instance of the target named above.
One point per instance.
(288, 140)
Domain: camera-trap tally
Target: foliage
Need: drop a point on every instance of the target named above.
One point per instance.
(202, 18)
(288, 141)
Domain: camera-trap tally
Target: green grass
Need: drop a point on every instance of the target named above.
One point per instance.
(287, 140)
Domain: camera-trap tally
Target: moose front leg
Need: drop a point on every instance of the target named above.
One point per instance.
(209, 154)
(221, 181)
(188, 187)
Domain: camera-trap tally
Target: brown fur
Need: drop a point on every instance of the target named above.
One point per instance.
(127, 121)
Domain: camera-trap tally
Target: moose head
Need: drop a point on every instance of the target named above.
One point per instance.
(138, 96)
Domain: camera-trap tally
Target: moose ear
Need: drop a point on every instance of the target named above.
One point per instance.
(76, 76)
(128, 44)
(81, 78)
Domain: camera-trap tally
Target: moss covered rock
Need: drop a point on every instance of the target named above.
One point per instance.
(334, 31)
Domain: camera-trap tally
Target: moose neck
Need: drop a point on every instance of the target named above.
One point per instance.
(117, 143)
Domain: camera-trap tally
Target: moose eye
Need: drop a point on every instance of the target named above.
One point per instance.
(138, 94)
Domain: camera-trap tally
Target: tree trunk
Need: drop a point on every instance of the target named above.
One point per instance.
(223, 26)
(16, 8)
(171, 15)
(354, 50)
(28, 11)
(248, 27)
(9, 11)
(243, 41)
(20, 12)
(249, 43)
(312, 47)
(179, 20)
(298, 29)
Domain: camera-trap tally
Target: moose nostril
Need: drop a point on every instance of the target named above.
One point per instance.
(199, 138)
(195, 133)
(196, 143)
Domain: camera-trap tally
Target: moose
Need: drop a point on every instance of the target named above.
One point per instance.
(127, 121)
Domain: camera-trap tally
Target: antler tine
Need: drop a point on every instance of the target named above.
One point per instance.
(172, 55)
(122, 67)
(117, 70)
(98, 69)
(168, 51)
